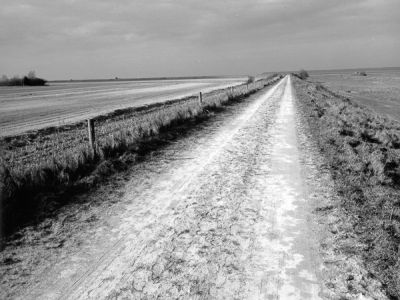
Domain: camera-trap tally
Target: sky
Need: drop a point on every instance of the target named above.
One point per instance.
(65, 39)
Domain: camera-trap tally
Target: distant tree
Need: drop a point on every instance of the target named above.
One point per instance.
(31, 75)
(250, 79)
(33, 81)
(303, 74)
(15, 80)
(4, 78)
(361, 73)
(29, 79)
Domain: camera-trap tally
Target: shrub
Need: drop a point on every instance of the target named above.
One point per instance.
(361, 73)
(303, 74)
(15, 81)
(34, 81)
(4, 80)
(30, 80)
(250, 79)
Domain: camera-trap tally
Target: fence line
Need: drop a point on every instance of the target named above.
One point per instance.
(89, 136)
(202, 98)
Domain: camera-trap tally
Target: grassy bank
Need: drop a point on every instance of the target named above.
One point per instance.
(58, 161)
(379, 90)
(362, 150)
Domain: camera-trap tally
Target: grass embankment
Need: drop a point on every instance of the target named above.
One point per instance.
(379, 90)
(40, 170)
(362, 150)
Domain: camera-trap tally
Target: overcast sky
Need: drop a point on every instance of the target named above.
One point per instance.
(63, 39)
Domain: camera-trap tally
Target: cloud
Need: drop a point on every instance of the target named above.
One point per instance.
(185, 32)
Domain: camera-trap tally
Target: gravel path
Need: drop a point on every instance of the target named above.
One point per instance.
(230, 220)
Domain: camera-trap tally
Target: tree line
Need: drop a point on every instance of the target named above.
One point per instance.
(30, 80)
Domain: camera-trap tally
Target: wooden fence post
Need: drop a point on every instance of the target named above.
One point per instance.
(200, 98)
(92, 136)
(3, 189)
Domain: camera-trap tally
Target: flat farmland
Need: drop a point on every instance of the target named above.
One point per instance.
(60, 103)
(379, 90)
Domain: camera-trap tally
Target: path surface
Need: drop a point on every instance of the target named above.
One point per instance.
(30, 108)
(228, 221)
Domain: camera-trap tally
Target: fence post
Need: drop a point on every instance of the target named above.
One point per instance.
(200, 98)
(3, 188)
(92, 136)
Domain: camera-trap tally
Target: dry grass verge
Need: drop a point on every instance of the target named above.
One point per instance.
(362, 150)
(40, 170)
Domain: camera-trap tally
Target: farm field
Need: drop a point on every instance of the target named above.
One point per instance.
(60, 103)
(379, 90)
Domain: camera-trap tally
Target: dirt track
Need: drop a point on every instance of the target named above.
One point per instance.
(226, 218)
